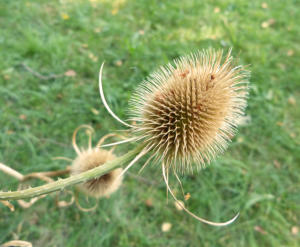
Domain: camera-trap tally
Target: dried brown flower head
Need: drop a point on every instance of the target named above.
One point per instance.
(104, 185)
(91, 158)
(187, 112)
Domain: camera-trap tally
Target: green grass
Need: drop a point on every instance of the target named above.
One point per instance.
(258, 175)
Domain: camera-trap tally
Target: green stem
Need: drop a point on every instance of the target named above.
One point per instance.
(60, 184)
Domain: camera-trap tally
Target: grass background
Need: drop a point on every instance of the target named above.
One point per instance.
(258, 175)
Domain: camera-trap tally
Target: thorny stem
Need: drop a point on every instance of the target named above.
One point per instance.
(61, 184)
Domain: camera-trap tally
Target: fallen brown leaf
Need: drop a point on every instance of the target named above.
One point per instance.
(97, 30)
(166, 226)
(292, 135)
(70, 73)
(59, 96)
(23, 116)
(295, 230)
(93, 57)
(276, 164)
(119, 63)
(240, 140)
(292, 100)
(217, 10)
(265, 24)
(187, 196)
(290, 53)
(271, 21)
(268, 23)
(10, 132)
(149, 203)
(95, 111)
(260, 230)
(6, 77)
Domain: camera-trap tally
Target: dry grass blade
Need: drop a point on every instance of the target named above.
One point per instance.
(63, 203)
(62, 158)
(9, 205)
(17, 243)
(28, 204)
(45, 175)
(9, 171)
(37, 175)
(32, 201)
(82, 208)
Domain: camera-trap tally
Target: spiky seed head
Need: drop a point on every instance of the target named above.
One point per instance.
(187, 112)
(104, 185)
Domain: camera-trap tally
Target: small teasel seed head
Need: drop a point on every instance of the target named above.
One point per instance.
(104, 185)
(187, 112)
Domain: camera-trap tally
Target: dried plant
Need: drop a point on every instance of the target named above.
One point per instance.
(185, 113)
(90, 158)
(86, 159)
(44, 176)
(182, 115)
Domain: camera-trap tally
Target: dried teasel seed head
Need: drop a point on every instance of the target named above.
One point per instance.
(104, 185)
(187, 112)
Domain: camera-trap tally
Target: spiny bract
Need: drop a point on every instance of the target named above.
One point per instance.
(104, 185)
(187, 112)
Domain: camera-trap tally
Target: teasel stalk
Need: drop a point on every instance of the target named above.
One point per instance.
(61, 184)
(183, 115)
